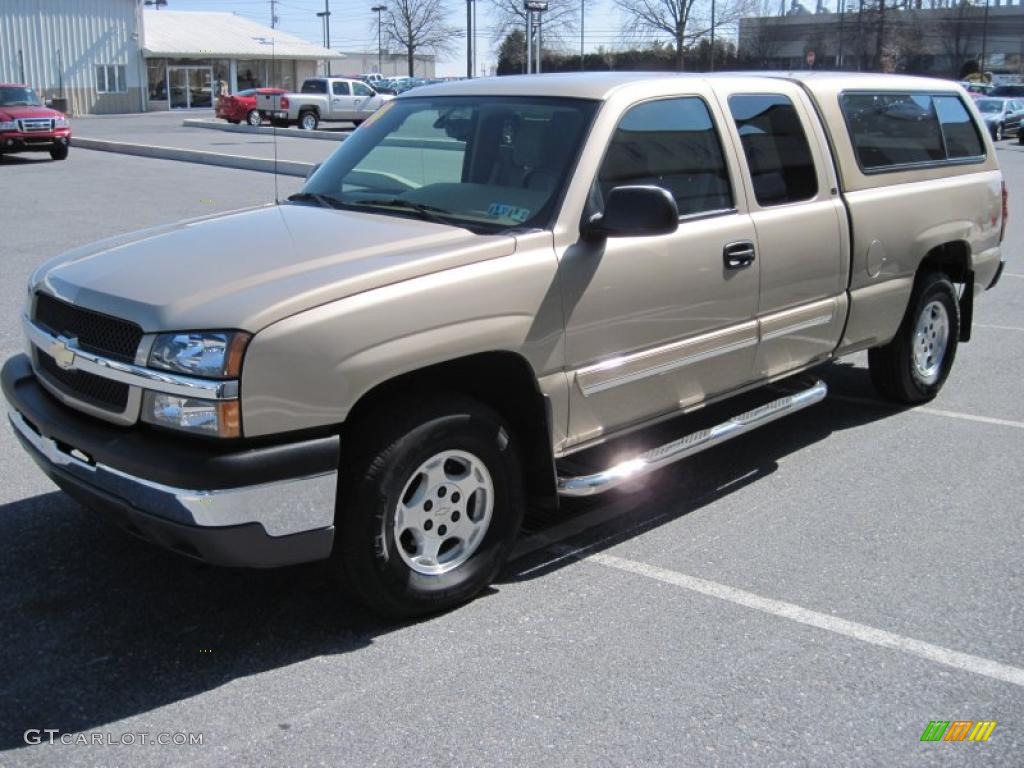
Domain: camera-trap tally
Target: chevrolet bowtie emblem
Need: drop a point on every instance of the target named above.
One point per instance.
(62, 354)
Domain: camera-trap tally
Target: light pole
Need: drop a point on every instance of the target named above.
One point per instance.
(712, 59)
(469, 38)
(379, 9)
(583, 58)
(984, 42)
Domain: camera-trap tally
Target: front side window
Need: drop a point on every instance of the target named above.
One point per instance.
(672, 144)
(775, 145)
(958, 130)
(487, 164)
(340, 89)
(361, 90)
(892, 129)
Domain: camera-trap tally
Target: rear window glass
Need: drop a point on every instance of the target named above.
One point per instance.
(958, 129)
(776, 148)
(895, 129)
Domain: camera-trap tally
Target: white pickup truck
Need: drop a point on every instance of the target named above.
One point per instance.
(331, 98)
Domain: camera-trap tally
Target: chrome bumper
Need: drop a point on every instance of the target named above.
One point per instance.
(282, 508)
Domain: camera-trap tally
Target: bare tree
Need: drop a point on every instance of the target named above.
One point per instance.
(670, 17)
(958, 34)
(420, 25)
(559, 21)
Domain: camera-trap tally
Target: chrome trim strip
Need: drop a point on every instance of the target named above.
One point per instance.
(590, 388)
(282, 508)
(128, 373)
(801, 326)
(684, 447)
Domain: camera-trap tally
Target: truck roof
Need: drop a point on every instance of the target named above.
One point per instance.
(600, 85)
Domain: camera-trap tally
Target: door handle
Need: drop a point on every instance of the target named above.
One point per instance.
(739, 255)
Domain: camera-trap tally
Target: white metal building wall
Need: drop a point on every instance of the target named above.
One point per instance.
(87, 33)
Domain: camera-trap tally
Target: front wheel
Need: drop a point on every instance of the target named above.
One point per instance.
(59, 152)
(998, 132)
(429, 508)
(914, 365)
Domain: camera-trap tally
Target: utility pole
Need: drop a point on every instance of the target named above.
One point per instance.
(529, 41)
(273, 14)
(880, 42)
(583, 59)
(984, 42)
(378, 9)
(839, 55)
(469, 38)
(712, 62)
(327, 25)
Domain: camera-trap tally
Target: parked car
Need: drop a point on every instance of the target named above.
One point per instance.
(486, 299)
(241, 106)
(331, 98)
(1002, 116)
(26, 125)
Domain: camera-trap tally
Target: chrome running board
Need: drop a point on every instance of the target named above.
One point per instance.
(684, 447)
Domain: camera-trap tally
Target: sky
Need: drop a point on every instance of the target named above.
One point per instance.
(354, 25)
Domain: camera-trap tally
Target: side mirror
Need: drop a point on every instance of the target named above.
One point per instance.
(636, 211)
(313, 170)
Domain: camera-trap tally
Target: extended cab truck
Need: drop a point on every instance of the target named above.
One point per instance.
(487, 279)
(28, 126)
(331, 98)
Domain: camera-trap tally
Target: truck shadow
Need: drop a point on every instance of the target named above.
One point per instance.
(100, 627)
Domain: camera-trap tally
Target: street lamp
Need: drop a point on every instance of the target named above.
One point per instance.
(379, 9)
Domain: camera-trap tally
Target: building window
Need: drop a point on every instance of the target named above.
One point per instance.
(156, 70)
(110, 78)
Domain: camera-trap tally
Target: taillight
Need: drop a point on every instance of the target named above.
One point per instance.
(284, 105)
(1006, 212)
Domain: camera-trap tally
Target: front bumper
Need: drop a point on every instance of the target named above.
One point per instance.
(257, 507)
(33, 142)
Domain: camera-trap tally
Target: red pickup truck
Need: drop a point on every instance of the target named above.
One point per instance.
(26, 125)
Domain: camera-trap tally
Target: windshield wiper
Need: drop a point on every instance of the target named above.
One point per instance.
(428, 212)
(325, 201)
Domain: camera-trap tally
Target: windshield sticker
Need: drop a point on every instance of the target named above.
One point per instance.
(500, 210)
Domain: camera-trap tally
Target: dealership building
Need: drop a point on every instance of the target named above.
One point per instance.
(116, 56)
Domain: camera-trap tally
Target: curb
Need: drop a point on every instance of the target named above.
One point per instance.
(290, 133)
(240, 162)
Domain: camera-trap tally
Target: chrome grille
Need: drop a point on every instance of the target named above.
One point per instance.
(95, 390)
(36, 124)
(95, 332)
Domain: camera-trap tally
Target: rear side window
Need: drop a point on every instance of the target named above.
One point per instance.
(774, 142)
(314, 86)
(671, 143)
(896, 129)
(958, 129)
(340, 89)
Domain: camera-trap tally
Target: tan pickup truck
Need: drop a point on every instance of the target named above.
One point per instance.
(484, 282)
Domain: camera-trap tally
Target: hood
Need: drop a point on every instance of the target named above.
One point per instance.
(16, 113)
(251, 268)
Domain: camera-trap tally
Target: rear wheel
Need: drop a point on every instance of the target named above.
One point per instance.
(59, 151)
(998, 133)
(254, 118)
(308, 121)
(914, 365)
(429, 507)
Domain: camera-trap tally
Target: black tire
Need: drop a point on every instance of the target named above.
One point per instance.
(998, 133)
(254, 118)
(388, 453)
(308, 120)
(59, 152)
(893, 369)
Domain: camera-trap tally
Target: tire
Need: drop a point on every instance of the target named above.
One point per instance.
(998, 133)
(914, 365)
(59, 152)
(254, 118)
(308, 120)
(399, 501)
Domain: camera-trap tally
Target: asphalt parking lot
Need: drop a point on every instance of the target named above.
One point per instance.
(813, 594)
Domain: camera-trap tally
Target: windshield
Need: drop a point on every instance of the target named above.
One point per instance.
(484, 163)
(18, 97)
(989, 105)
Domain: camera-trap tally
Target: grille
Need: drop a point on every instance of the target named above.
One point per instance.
(95, 390)
(36, 124)
(101, 334)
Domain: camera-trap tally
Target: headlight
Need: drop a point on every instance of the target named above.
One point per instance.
(208, 354)
(60, 122)
(216, 418)
(9, 125)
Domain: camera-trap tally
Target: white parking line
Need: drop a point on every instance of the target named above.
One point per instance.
(999, 327)
(1010, 274)
(866, 634)
(932, 411)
